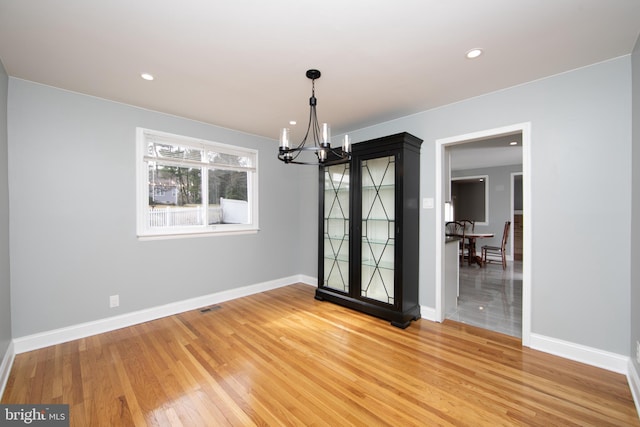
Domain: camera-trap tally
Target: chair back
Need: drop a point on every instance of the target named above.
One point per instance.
(469, 225)
(454, 228)
(505, 234)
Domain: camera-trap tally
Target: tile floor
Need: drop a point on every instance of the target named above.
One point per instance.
(491, 297)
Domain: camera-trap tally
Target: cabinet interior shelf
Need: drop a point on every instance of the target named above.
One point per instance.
(389, 187)
(382, 265)
(389, 242)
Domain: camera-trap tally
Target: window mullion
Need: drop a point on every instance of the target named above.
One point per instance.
(204, 174)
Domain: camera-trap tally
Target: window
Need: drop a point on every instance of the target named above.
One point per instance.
(471, 199)
(187, 186)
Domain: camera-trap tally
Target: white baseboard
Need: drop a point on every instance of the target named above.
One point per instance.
(634, 384)
(591, 356)
(82, 330)
(580, 353)
(5, 367)
(428, 313)
(308, 280)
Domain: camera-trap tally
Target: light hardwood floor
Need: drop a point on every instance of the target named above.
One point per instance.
(282, 358)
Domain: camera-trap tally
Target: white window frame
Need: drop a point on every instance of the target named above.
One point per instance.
(144, 231)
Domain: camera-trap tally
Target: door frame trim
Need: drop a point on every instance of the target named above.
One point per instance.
(512, 241)
(440, 145)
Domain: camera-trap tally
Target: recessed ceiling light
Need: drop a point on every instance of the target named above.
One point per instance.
(474, 53)
(292, 122)
(146, 76)
(513, 143)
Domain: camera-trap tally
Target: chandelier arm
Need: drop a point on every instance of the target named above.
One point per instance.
(325, 163)
(309, 126)
(316, 129)
(316, 138)
(295, 152)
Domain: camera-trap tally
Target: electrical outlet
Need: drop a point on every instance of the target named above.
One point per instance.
(638, 352)
(114, 301)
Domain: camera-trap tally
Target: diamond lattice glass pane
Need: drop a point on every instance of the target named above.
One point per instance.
(378, 226)
(378, 282)
(336, 227)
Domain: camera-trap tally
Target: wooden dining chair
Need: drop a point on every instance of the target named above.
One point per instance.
(498, 251)
(451, 228)
(469, 225)
(468, 244)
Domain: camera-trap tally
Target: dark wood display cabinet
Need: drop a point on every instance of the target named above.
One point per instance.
(369, 218)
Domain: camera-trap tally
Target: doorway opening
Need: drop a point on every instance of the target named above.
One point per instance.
(444, 175)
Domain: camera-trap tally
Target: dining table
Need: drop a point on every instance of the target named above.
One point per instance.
(472, 237)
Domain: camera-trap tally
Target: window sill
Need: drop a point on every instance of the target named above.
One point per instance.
(166, 236)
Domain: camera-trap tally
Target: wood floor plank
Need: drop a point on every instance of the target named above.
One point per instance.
(283, 358)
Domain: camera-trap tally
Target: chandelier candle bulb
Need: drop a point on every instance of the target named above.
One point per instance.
(346, 144)
(326, 135)
(322, 155)
(284, 138)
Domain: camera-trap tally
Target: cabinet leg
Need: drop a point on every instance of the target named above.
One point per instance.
(401, 325)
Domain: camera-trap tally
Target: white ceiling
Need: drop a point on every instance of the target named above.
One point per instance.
(485, 153)
(241, 64)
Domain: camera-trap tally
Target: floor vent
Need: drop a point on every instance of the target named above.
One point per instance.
(210, 308)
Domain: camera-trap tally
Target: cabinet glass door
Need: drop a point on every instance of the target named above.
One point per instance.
(336, 227)
(378, 229)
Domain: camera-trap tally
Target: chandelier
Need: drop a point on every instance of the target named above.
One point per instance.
(321, 152)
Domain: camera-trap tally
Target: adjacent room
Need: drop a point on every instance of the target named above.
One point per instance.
(485, 199)
(247, 209)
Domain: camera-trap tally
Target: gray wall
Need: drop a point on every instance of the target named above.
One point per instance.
(499, 179)
(72, 220)
(581, 182)
(308, 216)
(5, 283)
(635, 216)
